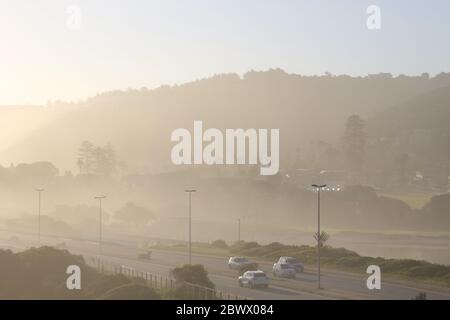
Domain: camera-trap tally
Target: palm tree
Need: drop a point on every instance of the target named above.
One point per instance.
(322, 238)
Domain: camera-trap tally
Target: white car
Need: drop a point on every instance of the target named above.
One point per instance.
(253, 279)
(294, 262)
(284, 270)
(236, 263)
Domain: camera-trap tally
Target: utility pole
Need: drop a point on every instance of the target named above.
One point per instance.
(190, 191)
(100, 198)
(319, 187)
(39, 191)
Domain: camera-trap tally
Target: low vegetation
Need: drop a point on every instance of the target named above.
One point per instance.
(221, 244)
(413, 200)
(195, 275)
(40, 273)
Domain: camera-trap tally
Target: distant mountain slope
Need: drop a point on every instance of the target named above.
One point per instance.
(18, 122)
(419, 127)
(139, 122)
(429, 111)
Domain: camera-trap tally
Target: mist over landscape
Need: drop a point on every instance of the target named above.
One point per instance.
(406, 152)
(180, 150)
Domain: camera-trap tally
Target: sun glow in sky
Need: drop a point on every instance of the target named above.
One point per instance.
(136, 43)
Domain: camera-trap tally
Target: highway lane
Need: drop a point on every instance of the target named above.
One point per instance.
(336, 284)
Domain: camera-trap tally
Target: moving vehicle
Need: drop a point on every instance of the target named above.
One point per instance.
(254, 279)
(294, 262)
(283, 270)
(237, 263)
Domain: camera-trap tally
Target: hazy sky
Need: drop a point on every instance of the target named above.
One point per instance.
(136, 43)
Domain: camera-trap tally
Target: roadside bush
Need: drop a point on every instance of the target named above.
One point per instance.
(195, 274)
(221, 244)
(243, 246)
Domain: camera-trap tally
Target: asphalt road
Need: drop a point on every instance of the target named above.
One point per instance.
(336, 285)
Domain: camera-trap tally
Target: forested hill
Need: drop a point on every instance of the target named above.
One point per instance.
(138, 122)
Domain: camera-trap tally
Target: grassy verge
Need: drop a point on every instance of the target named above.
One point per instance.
(334, 258)
(413, 200)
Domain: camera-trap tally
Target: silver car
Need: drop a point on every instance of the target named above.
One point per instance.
(236, 263)
(294, 262)
(254, 279)
(283, 270)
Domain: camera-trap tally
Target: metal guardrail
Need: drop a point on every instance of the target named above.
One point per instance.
(158, 281)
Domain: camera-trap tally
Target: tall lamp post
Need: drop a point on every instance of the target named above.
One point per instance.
(190, 191)
(319, 187)
(100, 198)
(39, 191)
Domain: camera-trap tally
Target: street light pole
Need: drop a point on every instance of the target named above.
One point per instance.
(100, 198)
(39, 191)
(319, 187)
(190, 225)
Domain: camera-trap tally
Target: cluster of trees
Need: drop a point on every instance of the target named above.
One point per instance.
(361, 207)
(40, 171)
(382, 162)
(98, 160)
(348, 154)
(91, 160)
